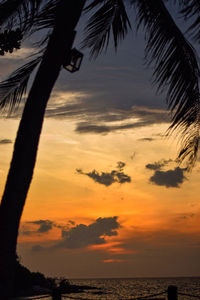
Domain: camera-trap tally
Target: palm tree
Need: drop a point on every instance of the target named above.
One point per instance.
(26, 144)
(175, 69)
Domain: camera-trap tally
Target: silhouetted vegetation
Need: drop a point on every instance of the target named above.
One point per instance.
(10, 40)
(29, 283)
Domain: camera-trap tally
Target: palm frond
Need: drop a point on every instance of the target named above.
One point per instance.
(14, 87)
(192, 11)
(190, 144)
(46, 17)
(175, 67)
(111, 16)
(181, 3)
(18, 12)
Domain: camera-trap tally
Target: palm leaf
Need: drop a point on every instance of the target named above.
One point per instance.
(14, 87)
(175, 68)
(110, 16)
(46, 17)
(181, 3)
(192, 11)
(17, 12)
(190, 146)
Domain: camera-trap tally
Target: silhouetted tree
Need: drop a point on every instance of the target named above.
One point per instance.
(26, 281)
(22, 278)
(65, 15)
(10, 40)
(175, 69)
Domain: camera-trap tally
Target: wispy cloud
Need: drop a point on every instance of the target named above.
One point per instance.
(119, 120)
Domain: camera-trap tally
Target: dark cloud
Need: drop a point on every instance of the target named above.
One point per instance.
(94, 114)
(146, 139)
(144, 116)
(170, 178)
(158, 165)
(154, 166)
(140, 249)
(102, 178)
(108, 178)
(93, 234)
(71, 222)
(81, 235)
(5, 141)
(89, 128)
(65, 226)
(121, 165)
(109, 90)
(160, 244)
(84, 127)
(44, 227)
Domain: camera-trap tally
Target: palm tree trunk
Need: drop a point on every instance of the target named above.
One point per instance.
(26, 144)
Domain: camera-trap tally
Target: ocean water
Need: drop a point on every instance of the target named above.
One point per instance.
(133, 288)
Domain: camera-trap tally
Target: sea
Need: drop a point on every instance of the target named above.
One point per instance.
(135, 288)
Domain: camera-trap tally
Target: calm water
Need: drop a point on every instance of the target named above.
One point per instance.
(116, 289)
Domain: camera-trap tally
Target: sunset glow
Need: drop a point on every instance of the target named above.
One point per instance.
(108, 198)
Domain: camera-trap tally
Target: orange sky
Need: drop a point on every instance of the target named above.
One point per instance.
(147, 225)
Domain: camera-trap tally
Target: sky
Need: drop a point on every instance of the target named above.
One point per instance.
(107, 197)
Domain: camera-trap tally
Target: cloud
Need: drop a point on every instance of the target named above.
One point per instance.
(121, 165)
(19, 54)
(159, 243)
(97, 115)
(5, 141)
(102, 100)
(89, 128)
(83, 235)
(108, 178)
(158, 165)
(86, 127)
(44, 227)
(154, 166)
(146, 252)
(146, 139)
(71, 222)
(135, 117)
(170, 178)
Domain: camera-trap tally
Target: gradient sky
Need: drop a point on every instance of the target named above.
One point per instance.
(107, 198)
